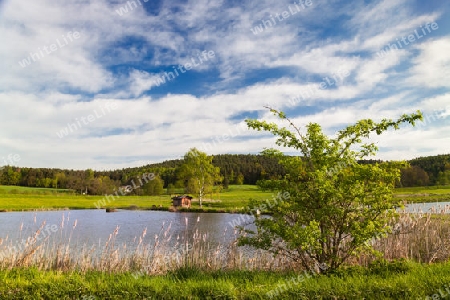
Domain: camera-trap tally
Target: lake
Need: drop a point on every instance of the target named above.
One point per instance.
(428, 207)
(94, 227)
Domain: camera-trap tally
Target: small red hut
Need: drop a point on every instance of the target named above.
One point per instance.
(183, 201)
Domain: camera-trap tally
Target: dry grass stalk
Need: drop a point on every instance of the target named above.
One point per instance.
(422, 237)
(418, 236)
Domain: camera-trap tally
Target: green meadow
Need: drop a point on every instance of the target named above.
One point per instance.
(424, 194)
(14, 198)
(234, 199)
(434, 190)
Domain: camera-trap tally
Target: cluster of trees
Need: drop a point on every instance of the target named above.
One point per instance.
(170, 175)
(247, 169)
(87, 181)
(233, 168)
(430, 170)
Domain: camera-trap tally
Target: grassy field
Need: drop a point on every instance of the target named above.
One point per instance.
(19, 198)
(424, 194)
(398, 280)
(437, 190)
(29, 190)
(13, 198)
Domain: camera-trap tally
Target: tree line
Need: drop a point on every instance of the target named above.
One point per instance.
(234, 169)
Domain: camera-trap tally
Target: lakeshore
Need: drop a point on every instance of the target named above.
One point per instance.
(148, 268)
(234, 200)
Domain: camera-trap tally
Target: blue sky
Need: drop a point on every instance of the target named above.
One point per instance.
(112, 84)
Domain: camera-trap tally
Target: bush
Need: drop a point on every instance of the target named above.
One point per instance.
(328, 205)
(385, 268)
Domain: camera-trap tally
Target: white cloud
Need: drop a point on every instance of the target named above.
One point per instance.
(141, 81)
(117, 59)
(431, 67)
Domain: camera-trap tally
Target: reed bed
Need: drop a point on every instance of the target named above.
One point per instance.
(419, 236)
(167, 252)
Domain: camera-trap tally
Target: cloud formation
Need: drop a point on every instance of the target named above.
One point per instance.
(118, 61)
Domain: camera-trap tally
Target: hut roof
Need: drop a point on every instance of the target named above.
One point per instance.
(181, 197)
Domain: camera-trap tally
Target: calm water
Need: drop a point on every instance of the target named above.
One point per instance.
(93, 227)
(429, 207)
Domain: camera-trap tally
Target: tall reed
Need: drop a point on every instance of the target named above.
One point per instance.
(165, 253)
(418, 236)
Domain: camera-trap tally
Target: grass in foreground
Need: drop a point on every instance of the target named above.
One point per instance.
(400, 280)
(51, 269)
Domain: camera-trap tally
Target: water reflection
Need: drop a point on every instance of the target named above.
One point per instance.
(432, 207)
(94, 227)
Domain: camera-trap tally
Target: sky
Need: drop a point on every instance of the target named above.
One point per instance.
(114, 84)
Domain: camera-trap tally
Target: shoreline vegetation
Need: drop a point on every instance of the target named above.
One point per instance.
(233, 200)
(404, 280)
(414, 261)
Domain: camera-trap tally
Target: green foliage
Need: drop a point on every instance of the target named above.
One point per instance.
(444, 176)
(335, 203)
(251, 167)
(9, 176)
(153, 187)
(170, 189)
(199, 174)
(385, 268)
(433, 165)
(415, 282)
(414, 176)
(239, 179)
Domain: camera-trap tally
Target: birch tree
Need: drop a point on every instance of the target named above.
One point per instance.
(199, 173)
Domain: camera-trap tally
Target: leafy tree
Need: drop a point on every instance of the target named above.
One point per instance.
(199, 173)
(239, 179)
(335, 205)
(153, 187)
(444, 176)
(170, 189)
(59, 180)
(226, 183)
(433, 165)
(30, 179)
(89, 173)
(10, 176)
(192, 186)
(414, 176)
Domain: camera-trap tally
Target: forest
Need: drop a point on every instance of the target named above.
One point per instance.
(234, 168)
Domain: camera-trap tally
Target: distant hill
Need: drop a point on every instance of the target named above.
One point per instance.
(437, 167)
(235, 168)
